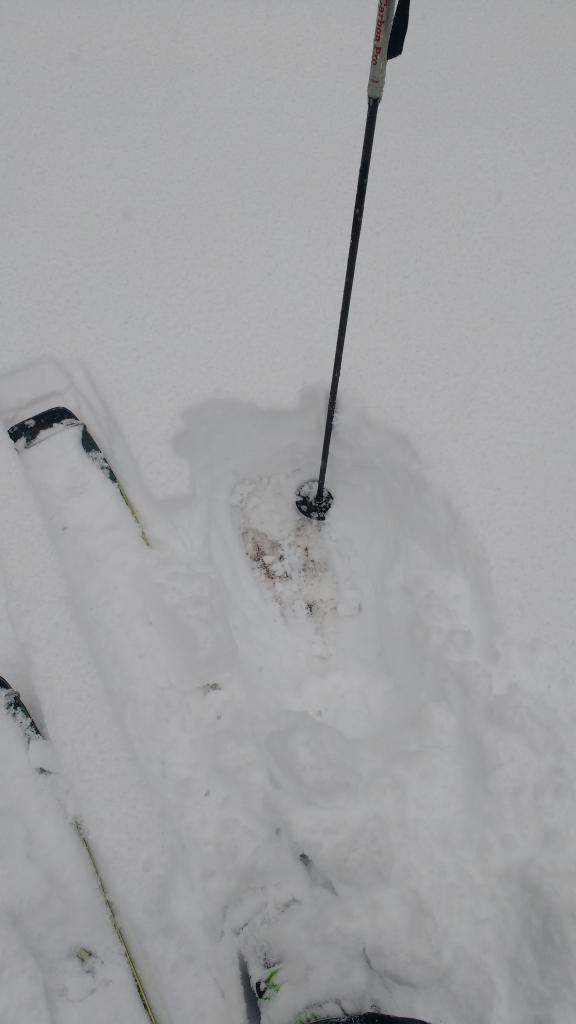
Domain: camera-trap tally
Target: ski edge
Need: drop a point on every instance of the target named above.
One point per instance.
(16, 709)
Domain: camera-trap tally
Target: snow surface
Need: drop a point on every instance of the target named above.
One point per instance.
(349, 747)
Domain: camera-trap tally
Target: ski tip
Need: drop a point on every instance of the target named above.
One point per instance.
(29, 431)
(16, 708)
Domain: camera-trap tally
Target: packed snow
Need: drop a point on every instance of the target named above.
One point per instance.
(345, 749)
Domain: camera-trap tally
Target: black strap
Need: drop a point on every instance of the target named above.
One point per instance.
(399, 29)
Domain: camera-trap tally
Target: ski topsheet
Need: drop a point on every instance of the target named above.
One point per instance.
(16, 708)
(40, 427)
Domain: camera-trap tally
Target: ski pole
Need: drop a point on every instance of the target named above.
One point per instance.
(313, 499)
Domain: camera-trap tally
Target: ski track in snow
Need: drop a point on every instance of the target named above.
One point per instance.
(329, 721)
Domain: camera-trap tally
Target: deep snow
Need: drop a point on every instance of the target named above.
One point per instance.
(179, 190)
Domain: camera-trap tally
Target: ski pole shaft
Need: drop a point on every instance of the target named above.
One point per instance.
(375, 89)
(348, 283)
